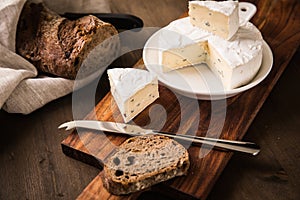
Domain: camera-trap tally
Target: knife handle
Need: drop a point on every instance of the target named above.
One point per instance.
(120, 21)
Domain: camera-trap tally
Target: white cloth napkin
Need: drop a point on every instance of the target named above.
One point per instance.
(21, 89)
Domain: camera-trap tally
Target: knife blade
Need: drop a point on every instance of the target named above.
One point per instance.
(134, 130)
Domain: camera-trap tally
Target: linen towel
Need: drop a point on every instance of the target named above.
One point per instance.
(22, 90)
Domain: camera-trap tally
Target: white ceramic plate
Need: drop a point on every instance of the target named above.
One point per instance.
(199, 82)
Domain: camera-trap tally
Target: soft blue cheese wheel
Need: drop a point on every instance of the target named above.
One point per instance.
(235, 62)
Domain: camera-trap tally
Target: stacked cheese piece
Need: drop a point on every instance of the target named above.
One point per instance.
(212, 35)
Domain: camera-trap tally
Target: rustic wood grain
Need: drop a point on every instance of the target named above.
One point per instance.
(95, 190)
(32, 165)
(241, 109)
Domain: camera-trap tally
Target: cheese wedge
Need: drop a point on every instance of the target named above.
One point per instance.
(133, 90)
(219, 18)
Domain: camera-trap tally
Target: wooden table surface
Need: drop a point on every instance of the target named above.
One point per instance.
(32, 165)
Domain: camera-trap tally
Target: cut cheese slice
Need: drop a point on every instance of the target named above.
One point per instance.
(219, 18)
(235, 62)
(133, 90)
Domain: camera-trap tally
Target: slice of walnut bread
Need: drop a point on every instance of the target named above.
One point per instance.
(143, 161)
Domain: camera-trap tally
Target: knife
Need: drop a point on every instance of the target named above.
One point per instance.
(134, 130)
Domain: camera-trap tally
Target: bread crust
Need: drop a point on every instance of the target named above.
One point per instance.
(56, 45)
(143, 161)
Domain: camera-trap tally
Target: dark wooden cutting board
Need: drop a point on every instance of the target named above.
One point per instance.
(92, 147)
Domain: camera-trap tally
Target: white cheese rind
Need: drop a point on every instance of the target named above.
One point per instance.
(225, 7)
(243, 47)
(240, 74)
(133, 90)
(219, 18)
(240, 57)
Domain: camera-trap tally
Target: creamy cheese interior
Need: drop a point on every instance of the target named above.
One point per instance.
(185, 56)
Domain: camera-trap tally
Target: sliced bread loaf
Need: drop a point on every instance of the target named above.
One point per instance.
(143, 161)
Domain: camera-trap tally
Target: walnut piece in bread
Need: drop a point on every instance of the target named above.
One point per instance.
(58, 46)
(143, 161)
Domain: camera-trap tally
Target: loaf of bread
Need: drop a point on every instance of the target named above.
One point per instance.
(59, 46)
(143, 161)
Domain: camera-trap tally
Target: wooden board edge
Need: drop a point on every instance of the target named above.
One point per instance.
(96, 189)
(79, 155)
